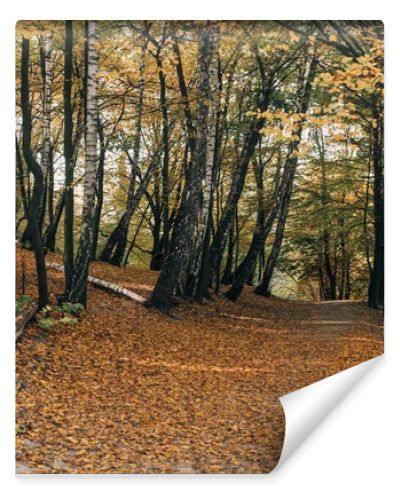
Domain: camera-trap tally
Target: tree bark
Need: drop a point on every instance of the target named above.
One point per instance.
(47, 157)
(68, 159)
(36, 171)
(309, 71)
(250, 142)
(174, 270)
(376, 287)
(115, 247)
(78, 290)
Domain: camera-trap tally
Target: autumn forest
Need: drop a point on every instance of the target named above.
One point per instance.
(199, 229)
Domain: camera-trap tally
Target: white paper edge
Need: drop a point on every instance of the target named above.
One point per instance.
(307, 408)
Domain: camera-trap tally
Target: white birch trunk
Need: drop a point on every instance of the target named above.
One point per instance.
(84, 253)
(104, 285)
(47, 89)
(213, 100)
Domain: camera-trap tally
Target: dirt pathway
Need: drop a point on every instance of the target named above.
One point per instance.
(129, 390)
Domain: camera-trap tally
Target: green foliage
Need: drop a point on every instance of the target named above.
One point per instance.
(47, 323)
(68, 321)
(70, 308)
(21, 303)
(65, 314)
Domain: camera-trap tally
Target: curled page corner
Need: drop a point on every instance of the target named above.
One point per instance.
(306, 408)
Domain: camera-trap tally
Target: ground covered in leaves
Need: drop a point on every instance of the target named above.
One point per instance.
(128, 390)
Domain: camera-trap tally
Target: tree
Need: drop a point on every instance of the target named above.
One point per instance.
(36, 171)
(174, 271)
(78, 289)
(115, 246)
(68, 159)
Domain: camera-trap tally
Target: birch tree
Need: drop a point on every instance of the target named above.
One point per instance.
(78, 291)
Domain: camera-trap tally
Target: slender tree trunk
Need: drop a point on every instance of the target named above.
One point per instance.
(47, 160)
(115, 246)
(35, 169)
(21, 176)
(204, 153)
(309, 70)
(202, 271)
(174, 270)
(261, 232)
(251, 139)
(78, 291)
(99, 188)
(325, 208)
(227, 277)
(49, 237)
(376, 287)
(68, 159)
(165, 166)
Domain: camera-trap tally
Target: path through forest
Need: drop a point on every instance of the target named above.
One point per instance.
(130, 390)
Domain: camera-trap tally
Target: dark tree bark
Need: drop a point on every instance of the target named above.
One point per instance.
(21, 176)
(376, 287)
(264, 223)
(227, 276)
(68, 159)
(36, 171)
(174, 271)
(99, 188)
(165, 166)
(307, 79)
(250, 142)
(115, 246)
(119, 238)
(326, 239)
(262, 231)
(49, 237)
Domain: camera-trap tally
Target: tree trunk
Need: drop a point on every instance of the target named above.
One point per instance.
(78, 291)
(376, 287)
(174, 270)
(204, 152)
(35, 169)
(99, 188)
(49, 237)
(68, 159)
(227, 277)
(325, 230)
(250, 142)
(309, 71)
(115, 247)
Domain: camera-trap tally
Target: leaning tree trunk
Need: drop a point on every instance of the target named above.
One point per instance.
(309, 71)
(99, 188)
(219, 241)
(115, 246)
(78, 291)
(263, 228)
(174, 270)
(36, 171)
(263, 287)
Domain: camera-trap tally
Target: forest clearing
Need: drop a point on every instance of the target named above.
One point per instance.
(128, 390)
(199, 230)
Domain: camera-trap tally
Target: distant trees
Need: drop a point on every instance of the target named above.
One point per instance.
(219, 153)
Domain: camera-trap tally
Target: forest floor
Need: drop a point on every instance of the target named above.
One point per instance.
(129, 390)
